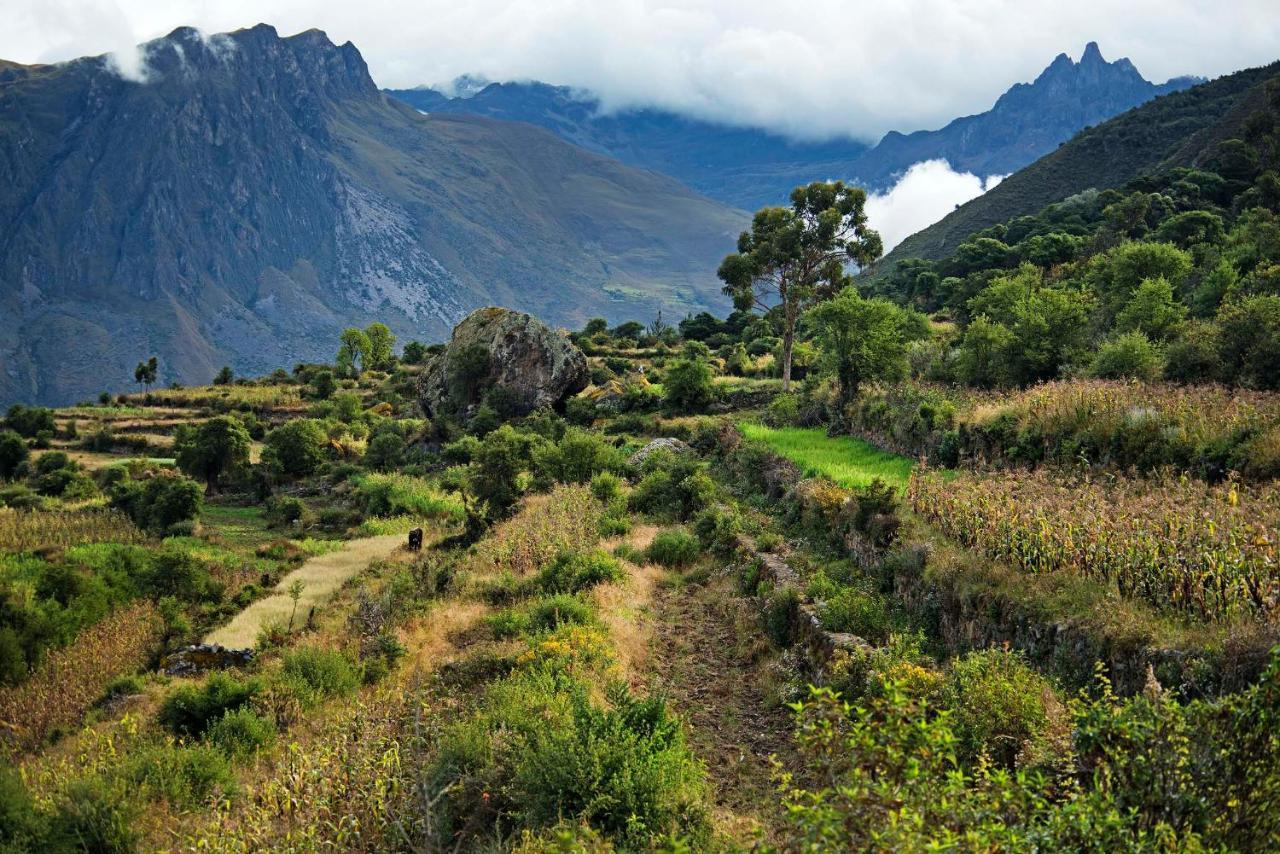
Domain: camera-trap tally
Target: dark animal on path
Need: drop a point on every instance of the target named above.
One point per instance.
(415, 540)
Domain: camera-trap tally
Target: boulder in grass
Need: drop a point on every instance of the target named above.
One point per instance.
(674, 446)
(506, 356)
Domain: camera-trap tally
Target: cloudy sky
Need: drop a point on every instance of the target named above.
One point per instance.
(812, 68)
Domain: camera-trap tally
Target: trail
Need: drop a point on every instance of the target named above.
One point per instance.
(705, 658)
(321, 577)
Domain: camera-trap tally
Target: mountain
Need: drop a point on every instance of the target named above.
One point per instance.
(1177, 130)
(744, 167)
(254, 194)
(750, 168)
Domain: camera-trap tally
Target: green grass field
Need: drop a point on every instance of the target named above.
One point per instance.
(850, 462)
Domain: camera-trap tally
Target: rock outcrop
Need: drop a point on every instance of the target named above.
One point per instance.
(674, 446)
(532, 366)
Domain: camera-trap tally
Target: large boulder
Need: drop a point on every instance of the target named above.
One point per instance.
(533, 365)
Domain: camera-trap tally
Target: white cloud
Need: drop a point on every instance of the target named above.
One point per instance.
(927, 192)
(828, 66)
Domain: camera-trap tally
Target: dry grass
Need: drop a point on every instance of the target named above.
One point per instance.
(321, 576)
(72, 679)
(26, 531)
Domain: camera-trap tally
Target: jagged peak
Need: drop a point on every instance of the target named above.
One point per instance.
(1093, 54)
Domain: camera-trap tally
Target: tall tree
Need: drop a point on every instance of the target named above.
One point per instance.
(145, 373)
(216, 446)
(382, 342)
(353, 352)
(797, 256)
(864, 340)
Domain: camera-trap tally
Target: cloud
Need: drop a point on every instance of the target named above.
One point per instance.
(837, 67)
(927, 192)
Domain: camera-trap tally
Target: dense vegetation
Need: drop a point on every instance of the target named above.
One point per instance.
(996, 618)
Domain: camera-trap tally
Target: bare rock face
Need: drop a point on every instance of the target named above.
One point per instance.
(530, 365)
(673, 446)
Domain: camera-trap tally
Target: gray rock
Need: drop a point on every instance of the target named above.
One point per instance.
(191, 660)
(537, 366)
(674, 446)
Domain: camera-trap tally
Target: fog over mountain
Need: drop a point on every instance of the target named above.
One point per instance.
(837, 67)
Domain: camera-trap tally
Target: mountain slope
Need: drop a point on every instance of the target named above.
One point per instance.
(751, 168)
(256, 194)
(744, 167)
(1175, 130)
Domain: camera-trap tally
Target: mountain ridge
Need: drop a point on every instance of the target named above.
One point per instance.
(1027, 121)
(258, 193)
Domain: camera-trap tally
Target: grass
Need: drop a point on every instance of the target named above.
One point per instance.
(850, 462)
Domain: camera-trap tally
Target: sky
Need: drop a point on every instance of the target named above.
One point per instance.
(812, 69)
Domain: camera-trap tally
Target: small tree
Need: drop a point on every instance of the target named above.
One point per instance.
(216, 446)
(382, 341)
(224, 376)
(687, 386)
(864, 340)
(145, 373)
(323, 385)
(414, 353)
(13, 453)
(353, 352)
(295, 593)
(797, 255)
(297, 447)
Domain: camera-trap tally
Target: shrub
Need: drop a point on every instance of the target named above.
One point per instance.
(184, 776)
(673, 486)
(95, 814)
(606, 486)
(718, 530)
(158, 501)
(297, 447)
(20, 823)
(385, 452)
(191, 709)
(13, 453)
(999, 705)
(674, 547)
(30, 421)
(241, 732)
(688, 387)
(625, 770)
(783, 411)
(318, 673)
(576, 458)
(1130, 355)
(573, 571)
(285, 510)
(857, 612)
(779, 615)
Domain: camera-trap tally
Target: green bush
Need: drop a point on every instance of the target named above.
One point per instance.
(1128, 356)
(186, 777)
(297, 447)
(158, 501)
(673, 486)
(542, 615)
(241, 732)
(13, 453)
(191, 709)
(674, 547)
(385, 452)
(571, 572)
(317, 673)
(21, 824)
(606, 486)
(718, 530)
(783, 411)
(95, 814)
(576, 458)
(625, 770)
(999, 705)
(687, 386)
(857, 612)
(779, 616)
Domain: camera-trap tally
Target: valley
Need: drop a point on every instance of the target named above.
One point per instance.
(490, 480)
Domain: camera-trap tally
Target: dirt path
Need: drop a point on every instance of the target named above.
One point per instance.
(321, 577)
(706, 652)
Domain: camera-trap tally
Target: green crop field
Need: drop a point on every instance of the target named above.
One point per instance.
(848, 461)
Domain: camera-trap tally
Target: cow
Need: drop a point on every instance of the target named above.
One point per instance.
(415, 540)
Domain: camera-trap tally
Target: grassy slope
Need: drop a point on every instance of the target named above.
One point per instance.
(848, 461)
(1173, 130)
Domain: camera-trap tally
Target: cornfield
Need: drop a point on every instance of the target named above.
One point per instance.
(73, 678)
(27, 531)
(1178, 543)
(566, 519)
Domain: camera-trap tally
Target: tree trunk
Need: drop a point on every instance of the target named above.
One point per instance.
(788, 339)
